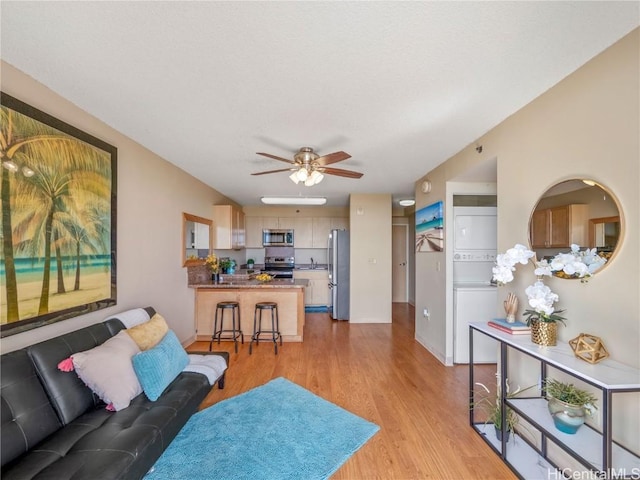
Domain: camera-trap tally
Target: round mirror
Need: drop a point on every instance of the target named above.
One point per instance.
(580, 212)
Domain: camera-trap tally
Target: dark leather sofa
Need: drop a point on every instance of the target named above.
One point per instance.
(54, 427)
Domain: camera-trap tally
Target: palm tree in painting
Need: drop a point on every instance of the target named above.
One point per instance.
(64, 169)
(57, 241)
(84, 235)
(57, 188)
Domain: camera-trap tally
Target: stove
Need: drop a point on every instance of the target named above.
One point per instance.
(279, 261)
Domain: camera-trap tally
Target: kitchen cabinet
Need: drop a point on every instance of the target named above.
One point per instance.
(272, 222)
(559, 227)
(253, 231)
(317, 292)
(303, 232)
(309, 232)
(593, 449)
(321, 229)
(228, 227)
(286, 223)
(340, 223)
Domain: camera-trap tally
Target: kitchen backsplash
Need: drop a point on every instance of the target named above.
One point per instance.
(302, 255)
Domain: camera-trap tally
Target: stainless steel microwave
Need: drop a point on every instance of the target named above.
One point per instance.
(277, 238)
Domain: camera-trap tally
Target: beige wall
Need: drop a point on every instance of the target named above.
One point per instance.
(370, 267)
(152, 194)
(584, 127)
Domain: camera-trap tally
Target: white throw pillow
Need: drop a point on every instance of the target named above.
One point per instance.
(108, 371)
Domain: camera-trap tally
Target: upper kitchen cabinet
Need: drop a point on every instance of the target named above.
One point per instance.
(559, 227)
(340, 223)
(253, 229)
(321, 229)
(309, 232)
(229, 228)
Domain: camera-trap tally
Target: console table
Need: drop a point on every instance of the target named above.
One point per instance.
(593, 449)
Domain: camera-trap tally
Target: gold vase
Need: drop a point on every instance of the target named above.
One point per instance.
(544, 333)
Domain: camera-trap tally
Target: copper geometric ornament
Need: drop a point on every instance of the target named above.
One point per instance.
(588, 348)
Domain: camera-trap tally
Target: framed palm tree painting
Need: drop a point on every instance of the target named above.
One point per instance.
(58, 198)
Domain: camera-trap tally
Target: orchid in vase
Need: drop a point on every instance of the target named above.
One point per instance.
(575, 264)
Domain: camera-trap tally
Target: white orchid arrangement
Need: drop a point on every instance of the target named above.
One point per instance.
(575, 264)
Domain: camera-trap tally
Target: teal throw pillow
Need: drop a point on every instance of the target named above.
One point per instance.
(157, 367)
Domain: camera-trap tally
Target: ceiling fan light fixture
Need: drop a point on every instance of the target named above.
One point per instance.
(313, 179)
(302, 174)
(294, 177)
(293, 200)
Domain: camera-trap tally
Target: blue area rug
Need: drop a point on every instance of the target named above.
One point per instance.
(276, 431)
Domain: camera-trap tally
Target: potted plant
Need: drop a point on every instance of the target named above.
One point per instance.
(227, 265)
(492, 406)
(568, 405)
(250, 263)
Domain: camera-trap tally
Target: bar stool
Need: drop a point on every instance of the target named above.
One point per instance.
(218, 324)
(257, 324)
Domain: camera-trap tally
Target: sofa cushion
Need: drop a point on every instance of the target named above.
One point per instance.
(27, 416)
(157, 367)
(69, 396)
(149, 334)
(121, 445)
(107, 370)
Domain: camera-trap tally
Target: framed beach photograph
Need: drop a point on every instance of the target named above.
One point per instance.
(430, 228)
(58, 219)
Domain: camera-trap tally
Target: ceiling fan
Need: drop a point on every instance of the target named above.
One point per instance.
(309, 167)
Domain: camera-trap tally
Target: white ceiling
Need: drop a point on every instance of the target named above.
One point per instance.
(401, 86)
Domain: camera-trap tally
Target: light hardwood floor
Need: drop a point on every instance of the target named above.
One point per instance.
(379, 372)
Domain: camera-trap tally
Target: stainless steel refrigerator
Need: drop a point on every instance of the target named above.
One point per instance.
(338, 264)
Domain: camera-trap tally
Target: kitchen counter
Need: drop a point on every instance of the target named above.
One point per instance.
(289, 294)
(242, 283)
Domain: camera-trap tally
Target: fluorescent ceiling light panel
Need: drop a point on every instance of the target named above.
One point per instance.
(294, 200)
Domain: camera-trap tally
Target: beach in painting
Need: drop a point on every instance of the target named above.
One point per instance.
(429, 229)
(95, 284)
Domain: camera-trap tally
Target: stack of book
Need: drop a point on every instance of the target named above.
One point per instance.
(516, 328)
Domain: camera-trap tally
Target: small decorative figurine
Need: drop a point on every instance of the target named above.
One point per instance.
(511, 307)
(588, 348)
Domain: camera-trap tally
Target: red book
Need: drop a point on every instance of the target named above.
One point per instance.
(508, 330)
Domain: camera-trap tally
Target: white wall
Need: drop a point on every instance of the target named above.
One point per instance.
(152, 194)
(587, 126)
(370, 267)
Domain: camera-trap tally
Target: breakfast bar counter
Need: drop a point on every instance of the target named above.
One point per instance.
(287, 293)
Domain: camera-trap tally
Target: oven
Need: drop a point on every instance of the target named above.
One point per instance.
(279, 262)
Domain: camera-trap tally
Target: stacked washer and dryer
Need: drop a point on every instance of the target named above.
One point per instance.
(475, 297)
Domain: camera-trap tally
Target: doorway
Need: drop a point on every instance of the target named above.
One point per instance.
(399, 261)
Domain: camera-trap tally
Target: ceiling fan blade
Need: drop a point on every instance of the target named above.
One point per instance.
(275, 157)
(332, 158)
(341, 172)
(275, 171)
